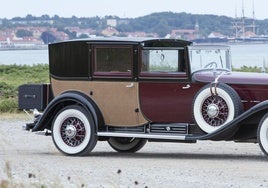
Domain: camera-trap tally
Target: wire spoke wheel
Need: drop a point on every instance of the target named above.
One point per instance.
(213, 110)
(73, 131)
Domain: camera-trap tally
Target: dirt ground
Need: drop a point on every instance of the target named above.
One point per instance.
(30, 160)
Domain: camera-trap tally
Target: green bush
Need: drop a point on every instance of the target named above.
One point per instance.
(12, 76)
(7, 91)
(8, 105)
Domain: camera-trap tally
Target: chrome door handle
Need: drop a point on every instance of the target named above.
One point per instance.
(186, 87)
(130, 85)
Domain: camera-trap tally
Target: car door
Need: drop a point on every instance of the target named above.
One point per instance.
(113, 87)
(165, 91)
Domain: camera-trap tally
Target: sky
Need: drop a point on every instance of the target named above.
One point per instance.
(130, 8)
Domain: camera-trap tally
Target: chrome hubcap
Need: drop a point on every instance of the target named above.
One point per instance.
(212, 110)
(70, 131)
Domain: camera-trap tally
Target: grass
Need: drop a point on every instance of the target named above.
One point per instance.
(15, 75)
(12, 76)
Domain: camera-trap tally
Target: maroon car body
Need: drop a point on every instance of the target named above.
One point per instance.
(128, 91)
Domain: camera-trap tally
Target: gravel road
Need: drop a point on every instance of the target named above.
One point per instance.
(30, 160)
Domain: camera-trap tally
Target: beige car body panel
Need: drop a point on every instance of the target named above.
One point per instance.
(118, 101)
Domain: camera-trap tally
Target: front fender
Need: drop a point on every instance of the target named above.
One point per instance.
(65, 99)
(228, 129)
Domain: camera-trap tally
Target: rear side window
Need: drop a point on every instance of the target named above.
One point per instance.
(160, 61)
(163, 62)
(113, 60)
(69, 60)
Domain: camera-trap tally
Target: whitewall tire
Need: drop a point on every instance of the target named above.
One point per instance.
(262, 134)
(213, 108)
(73, 131)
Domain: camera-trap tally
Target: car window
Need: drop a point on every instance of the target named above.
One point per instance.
(159, 61)
(113, 60)
(204, 57)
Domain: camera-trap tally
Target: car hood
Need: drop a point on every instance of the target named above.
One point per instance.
(232, 77)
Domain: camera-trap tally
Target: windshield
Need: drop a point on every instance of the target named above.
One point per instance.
(209, 57)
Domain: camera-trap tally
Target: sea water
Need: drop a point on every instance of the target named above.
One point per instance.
(249, 55)
(242, 55)
(23, 57)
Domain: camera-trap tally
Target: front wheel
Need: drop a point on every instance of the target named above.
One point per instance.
(73, 131)
(128, 145)
(262, 134)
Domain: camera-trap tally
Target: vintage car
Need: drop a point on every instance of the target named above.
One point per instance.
(128, 91)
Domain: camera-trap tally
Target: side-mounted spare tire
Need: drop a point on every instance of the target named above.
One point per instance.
(215, 105)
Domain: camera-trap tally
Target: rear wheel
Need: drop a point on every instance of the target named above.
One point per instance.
(262, 134)
(129, 145)
(73, 131)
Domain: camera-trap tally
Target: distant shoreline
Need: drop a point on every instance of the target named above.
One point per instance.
(44, 47)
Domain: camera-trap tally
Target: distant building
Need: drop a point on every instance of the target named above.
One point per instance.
(32, 22)
(88, 31)
(20, 43)
(217, 35)
(60, 35)
(140, 34)
(110, 31)
(111, 22)
(186, 34)
(123, 21)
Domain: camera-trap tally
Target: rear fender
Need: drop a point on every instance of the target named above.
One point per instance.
(65, 99)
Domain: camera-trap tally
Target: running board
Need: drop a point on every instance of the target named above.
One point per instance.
(142, 135)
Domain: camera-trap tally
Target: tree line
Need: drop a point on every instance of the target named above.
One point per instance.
(161, 23)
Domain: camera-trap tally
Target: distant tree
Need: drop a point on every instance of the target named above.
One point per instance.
(56, 17)
(24, 33)
(17, 18)
(161, 23)
(6, 24)
(45, 17)
(83, 36)
(71, 35)
(30, 17)
(248, 69)
(48, 37)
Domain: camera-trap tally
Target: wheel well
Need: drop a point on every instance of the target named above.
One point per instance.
(248, 127)
(67, 99)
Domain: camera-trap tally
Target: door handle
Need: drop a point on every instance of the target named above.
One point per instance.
(130, 85)
(186, 87)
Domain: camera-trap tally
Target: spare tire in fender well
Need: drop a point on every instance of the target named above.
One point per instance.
(211, 111)
(65, 99)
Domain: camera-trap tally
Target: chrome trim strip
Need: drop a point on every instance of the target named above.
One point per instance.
(142, 135)
(244, 101)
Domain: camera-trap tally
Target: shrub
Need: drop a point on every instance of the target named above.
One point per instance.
(8, 104)
(12, 76)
